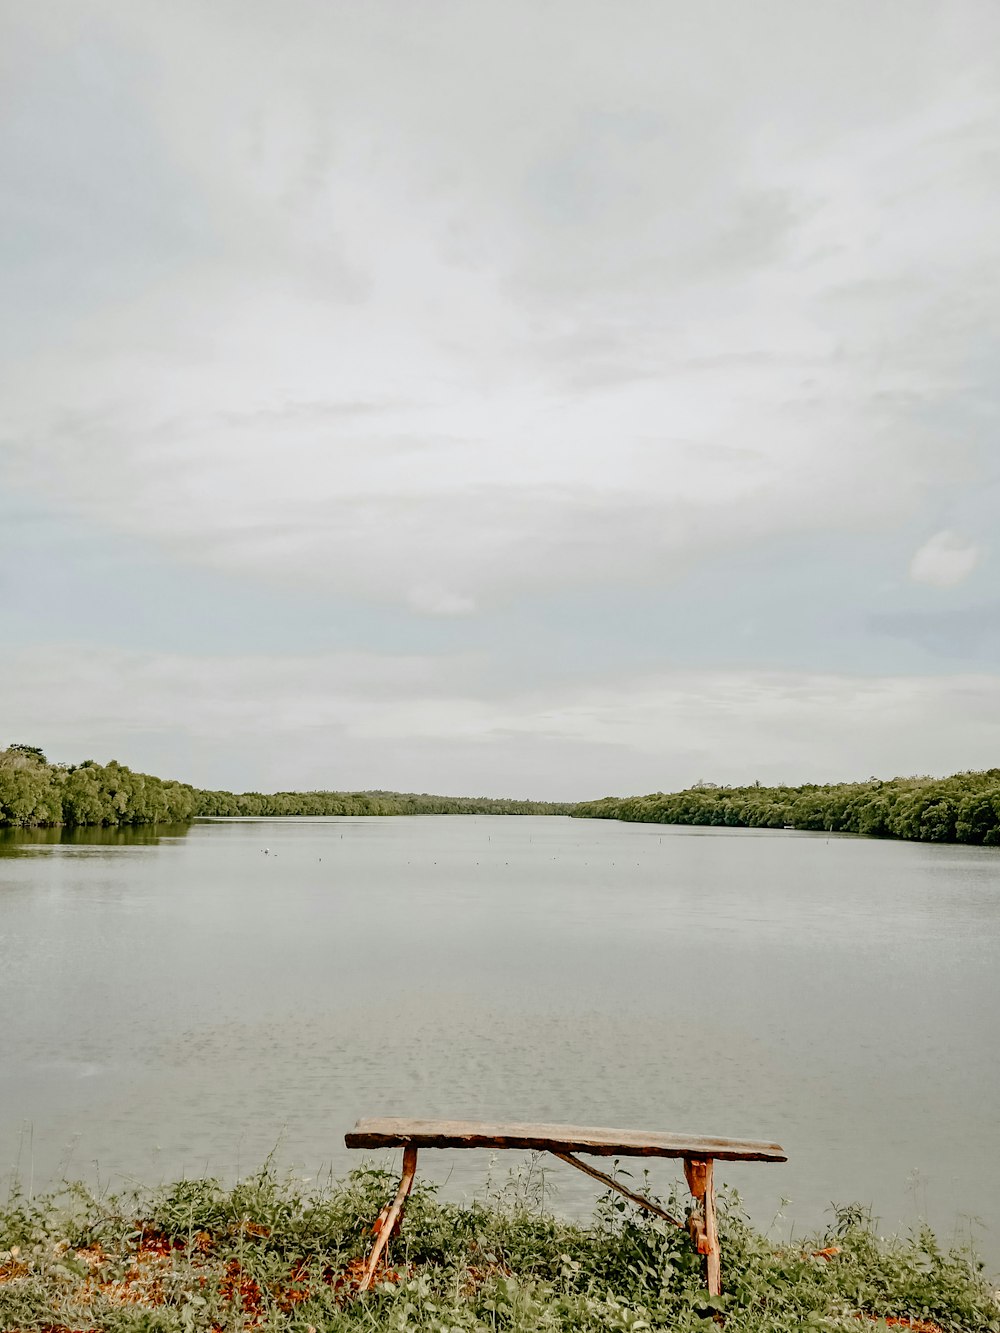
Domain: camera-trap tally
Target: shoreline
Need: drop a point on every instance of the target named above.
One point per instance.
(279, 1253)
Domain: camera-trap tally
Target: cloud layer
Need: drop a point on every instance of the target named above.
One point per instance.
(444, 315)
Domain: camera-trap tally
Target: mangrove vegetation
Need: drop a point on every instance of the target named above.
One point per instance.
(963, 808)
(37, 794)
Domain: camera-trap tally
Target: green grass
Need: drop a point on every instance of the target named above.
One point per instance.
(272, 1254)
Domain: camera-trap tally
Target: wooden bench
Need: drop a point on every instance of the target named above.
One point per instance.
(563, 1141)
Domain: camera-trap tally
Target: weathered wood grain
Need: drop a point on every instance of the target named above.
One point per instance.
(700, 1175)
(397, 1133)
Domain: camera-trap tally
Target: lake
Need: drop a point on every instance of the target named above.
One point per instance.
(183, 1002)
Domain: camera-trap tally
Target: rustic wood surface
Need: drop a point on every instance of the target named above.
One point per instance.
(696, 1175)
(700, 1175)
(396, 1133)
(697, 1232)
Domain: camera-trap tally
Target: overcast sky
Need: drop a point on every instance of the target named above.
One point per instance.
(545, 399)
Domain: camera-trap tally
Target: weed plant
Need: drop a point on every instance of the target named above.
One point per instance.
(270, 1254)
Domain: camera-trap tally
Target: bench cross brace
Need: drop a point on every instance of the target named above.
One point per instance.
(614, 1184)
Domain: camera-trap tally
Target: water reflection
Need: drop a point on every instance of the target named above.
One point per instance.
(23, 841)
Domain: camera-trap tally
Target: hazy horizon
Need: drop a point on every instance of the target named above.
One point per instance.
(541, 798)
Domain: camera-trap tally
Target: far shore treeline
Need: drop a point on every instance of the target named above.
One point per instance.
(964, 808)
(36, 794)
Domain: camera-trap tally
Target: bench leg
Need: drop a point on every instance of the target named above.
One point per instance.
(389, 1216)
(699, 1173)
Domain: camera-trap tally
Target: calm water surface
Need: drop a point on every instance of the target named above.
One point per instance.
(183, 1004)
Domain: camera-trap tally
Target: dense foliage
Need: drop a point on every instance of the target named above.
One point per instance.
(364, 803)
(36, 793)
(265, 1255)
(964, 808)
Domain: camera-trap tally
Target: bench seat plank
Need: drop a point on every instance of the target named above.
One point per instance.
(388, 1132)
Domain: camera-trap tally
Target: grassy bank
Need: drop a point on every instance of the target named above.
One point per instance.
(276, 1254)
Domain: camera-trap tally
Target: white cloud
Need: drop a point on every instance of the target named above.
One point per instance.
(436, 601)
(944, 560)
